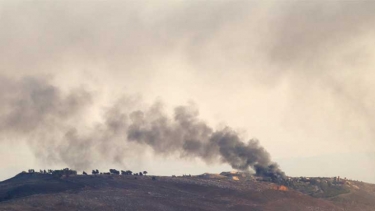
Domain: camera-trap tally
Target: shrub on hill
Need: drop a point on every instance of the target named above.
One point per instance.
(64, 172)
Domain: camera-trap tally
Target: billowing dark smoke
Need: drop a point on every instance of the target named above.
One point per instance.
(190, 136)
(50, 121)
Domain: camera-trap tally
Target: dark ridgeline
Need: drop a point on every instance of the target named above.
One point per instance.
(58, 173)
(68, 172)
(64, 172)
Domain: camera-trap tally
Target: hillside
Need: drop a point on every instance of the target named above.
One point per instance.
(125, 192)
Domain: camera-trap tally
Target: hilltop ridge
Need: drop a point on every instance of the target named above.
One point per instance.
(128, 192)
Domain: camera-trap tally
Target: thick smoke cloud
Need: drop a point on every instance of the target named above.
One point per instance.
(32, 103)
(36, 108)
(190, 136)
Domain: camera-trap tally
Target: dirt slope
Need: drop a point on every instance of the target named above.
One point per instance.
(362, 198)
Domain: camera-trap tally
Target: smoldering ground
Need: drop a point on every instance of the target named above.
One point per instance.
(38, 112)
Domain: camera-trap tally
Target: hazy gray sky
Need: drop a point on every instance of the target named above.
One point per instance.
(297, 75)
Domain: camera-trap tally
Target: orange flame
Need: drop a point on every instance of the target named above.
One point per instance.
(280, 188)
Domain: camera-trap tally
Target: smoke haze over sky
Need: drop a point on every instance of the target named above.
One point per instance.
(296, 75)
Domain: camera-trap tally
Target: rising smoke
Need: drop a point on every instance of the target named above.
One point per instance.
(47, 119)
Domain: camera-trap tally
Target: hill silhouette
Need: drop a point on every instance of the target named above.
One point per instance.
(128, 192)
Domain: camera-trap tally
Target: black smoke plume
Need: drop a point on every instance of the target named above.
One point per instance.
(190, 136)
(49, 120)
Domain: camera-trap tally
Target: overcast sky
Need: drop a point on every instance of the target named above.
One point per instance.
(296, 75)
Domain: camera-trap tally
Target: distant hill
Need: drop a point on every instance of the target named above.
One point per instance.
(205, 192)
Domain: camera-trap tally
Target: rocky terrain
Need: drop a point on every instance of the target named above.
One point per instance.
(128, 192)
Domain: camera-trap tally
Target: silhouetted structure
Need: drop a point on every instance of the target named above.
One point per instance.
(64, 172)
(114, 171)
(127, 172)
